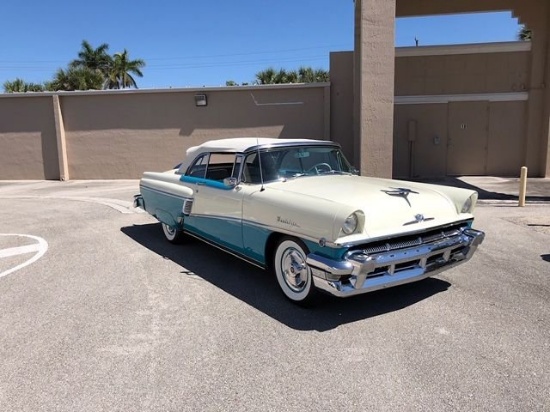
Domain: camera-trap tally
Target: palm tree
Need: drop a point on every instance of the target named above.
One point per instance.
(20, 86)
(322, 76)
(525, 34)
(266, 76)
(303, 75)
(120, 75)
(281, 77)
(95, 59)
(306, 75)
(76, 78)
(292, 76)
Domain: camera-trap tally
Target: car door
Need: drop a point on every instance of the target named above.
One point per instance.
(216, 214)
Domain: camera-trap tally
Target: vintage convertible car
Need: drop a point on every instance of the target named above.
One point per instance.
(298, 208)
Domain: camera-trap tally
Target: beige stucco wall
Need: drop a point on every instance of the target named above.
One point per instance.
(453, 137)
(423, 155)
(407, 8)
(463, 73)
(112, 135)
(535, 14)
(459, 109)
(28, 148)
(496, 148)
(341, 101)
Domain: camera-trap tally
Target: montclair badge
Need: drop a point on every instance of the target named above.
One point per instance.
(288, 222)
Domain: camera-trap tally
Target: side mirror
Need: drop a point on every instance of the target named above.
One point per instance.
(230, 182)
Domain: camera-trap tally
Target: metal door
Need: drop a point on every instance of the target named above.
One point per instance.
(468, 138)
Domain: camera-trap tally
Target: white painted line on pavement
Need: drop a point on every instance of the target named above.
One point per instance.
(14, 251)
(122, 206)
(39, 248)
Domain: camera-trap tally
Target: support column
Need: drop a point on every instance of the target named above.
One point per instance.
(545, 136)
(536, 15)
(61, 143)
(374, 74)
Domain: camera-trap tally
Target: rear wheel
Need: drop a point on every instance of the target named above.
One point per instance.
(173, 235)
(292, 272)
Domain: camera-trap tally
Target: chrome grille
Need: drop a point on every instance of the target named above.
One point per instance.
(410, 241)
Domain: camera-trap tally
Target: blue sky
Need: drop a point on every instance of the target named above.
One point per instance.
(188, 43)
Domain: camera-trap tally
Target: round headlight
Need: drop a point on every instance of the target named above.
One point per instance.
(350, 224)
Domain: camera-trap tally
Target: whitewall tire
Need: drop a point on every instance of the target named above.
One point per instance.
(292, 272)
(173, 235)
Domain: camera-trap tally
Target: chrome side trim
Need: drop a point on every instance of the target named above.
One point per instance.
(225, 249)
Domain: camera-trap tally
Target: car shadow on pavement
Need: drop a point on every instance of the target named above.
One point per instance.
(546, 257)
(260, 290)
(483, 194)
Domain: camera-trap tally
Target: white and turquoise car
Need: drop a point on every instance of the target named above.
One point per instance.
(298, 208)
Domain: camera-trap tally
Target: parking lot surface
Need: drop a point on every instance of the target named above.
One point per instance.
(99, 313)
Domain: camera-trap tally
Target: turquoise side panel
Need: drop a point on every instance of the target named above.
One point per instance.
(164, 206)
(222, 231)
(255, 239)
(328, 252)
(247, 241)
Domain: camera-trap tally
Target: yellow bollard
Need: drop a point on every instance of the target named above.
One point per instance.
(522, 186)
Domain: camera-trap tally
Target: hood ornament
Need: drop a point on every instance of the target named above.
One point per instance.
(400, 192)
(418, 219)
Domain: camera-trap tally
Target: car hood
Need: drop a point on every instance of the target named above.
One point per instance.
(388, 206)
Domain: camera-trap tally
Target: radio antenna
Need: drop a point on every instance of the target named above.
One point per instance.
(260, 163)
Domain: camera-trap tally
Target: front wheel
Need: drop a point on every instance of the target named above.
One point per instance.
(171, 234)
(292, 272)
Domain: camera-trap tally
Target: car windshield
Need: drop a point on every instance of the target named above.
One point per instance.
(291, 162)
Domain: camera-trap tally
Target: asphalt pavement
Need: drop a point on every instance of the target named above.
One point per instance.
(100, 313)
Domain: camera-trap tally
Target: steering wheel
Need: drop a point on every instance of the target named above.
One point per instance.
(320, 168)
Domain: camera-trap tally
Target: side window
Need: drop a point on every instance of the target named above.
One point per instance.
(268, 164)
(198, 169)
(237, 166)
(220, 166)
(251, 169)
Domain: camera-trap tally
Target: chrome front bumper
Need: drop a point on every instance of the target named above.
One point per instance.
(362, 273)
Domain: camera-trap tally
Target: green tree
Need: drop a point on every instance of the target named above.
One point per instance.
(120, 74)
(302, 75)
(292, 76)
(309, 75)
(266, 76)
(94, 59)
(76, 78)
(20, 86)
(525, 34)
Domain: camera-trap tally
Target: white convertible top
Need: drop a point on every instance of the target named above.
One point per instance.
(242, 144)
(239, 145)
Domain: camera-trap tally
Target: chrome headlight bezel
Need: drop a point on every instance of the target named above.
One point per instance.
(350, 224)
(469, 204)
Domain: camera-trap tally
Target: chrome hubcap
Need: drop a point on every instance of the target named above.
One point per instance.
(170, 232)
(294, 270)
